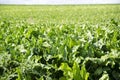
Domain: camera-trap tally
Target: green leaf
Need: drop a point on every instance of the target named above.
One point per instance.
(67, 70)
(76, 72)
(84, 73)
(63, 78)
(46, 44)
(105, 76)
(19, 74)
(98, 71)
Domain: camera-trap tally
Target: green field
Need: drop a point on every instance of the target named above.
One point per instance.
(67, 42)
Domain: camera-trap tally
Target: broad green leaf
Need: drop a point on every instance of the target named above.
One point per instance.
(105, 76)
(67, 70)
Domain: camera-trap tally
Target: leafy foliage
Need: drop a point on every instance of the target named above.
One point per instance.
(60, 42)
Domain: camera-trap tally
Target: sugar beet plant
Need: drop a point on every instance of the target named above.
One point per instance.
(60, 42)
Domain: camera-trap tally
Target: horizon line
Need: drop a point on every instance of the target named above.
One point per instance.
(63, 4)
